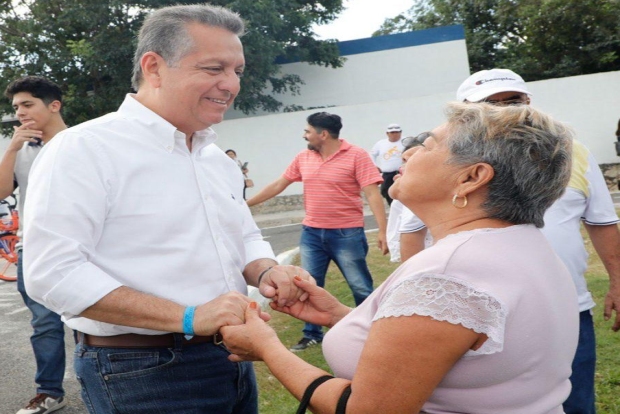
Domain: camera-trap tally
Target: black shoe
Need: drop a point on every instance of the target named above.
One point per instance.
(304, 343)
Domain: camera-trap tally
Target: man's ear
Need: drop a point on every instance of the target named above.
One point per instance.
(152, 65)
(55, 106)
(325, 135)
(474, 177)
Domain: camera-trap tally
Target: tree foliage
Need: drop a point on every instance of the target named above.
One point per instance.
(539, 39)
(86, 46)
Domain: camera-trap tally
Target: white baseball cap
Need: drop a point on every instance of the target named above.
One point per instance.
(394, 128)
(485, 83)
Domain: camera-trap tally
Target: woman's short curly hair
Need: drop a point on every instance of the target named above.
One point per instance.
(529, 151)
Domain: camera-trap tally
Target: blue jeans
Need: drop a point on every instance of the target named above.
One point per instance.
(581, 398)
(189, 379)
(348, 249)
(48, 341)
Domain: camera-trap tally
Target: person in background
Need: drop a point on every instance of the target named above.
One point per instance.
(334, 173)
(587, 200)
(244, 168)
(398, 213)
(410, 235)
(386, 156)
(484, 321)
(37, 102)
(617, 143)
(147, 281)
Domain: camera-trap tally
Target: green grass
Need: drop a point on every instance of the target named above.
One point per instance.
(607, 341)
(275, 399)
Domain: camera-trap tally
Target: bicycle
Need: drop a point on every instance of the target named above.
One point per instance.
(9, 223)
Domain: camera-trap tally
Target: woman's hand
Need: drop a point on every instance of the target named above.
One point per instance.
(248, 342)
(225, 310)
(320, 308)
(277, 284)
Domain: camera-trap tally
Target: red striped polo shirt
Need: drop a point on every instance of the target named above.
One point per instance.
(332, 188)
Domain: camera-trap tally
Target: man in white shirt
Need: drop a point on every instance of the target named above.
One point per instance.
(37, 102)
(587, 199)
(386, 156)
(138, 235)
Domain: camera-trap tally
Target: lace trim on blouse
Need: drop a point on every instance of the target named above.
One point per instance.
(450, 300)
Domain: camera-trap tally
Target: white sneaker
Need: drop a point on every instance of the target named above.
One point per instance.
(43, 403)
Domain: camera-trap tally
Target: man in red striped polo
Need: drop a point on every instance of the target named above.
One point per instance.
(334, 173)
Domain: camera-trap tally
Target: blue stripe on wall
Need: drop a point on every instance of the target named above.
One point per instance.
(396, 41)
(399, 40)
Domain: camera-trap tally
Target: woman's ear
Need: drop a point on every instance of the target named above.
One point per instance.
(474, 177)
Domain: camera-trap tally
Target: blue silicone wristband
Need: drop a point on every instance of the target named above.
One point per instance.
(188, 320)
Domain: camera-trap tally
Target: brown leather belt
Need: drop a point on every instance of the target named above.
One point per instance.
(144, 341)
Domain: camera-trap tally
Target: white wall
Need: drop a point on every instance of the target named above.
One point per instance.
(589, 103)
(382, 68)
(405, 78)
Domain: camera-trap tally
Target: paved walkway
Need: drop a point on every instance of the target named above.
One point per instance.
(296, 216)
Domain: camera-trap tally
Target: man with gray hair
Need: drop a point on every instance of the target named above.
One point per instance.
(137, 233)
(586, 200)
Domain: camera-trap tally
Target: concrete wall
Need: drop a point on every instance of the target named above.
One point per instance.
(589, 103)
(383, 68)
(407, 78)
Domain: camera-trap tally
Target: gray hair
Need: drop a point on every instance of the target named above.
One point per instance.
(528, 150)
(165, 32)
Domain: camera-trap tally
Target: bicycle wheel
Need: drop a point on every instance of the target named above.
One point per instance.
(8, 257)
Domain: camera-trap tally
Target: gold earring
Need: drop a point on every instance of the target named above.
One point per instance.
(454, 201)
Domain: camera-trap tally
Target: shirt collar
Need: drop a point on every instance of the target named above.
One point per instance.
(345, 146)
(166, 133)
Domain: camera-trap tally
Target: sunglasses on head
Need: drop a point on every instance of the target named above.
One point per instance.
(410, 142)
(512, 100)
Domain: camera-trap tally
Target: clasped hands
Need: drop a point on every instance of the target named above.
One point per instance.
(251, 340)
(230, 308)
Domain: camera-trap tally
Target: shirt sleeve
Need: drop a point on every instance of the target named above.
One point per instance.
(409, 222)
(448, 300)
(255, 245)
(366, 172)
(600, 208)
(293, 171)
(64, 216)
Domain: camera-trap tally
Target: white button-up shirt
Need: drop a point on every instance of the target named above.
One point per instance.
(121, 201)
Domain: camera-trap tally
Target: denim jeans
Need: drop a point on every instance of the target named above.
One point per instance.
(48, 341)
(348, 249)
(581, 398)
(188, 379)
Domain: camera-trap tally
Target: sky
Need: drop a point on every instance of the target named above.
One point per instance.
(361, 18)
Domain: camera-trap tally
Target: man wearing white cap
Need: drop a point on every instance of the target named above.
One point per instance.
(386, 156)
(586, 199)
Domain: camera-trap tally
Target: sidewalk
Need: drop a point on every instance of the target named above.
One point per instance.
(265, 220)
(283, 218)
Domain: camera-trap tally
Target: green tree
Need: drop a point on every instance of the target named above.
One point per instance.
(566, 38)
(540, 39)
(86, 46)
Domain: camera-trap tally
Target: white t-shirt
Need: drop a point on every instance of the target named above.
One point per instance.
(387, 155)
(23, 162)
(392, 233)
(587, 198)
